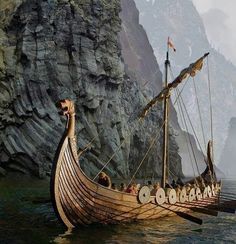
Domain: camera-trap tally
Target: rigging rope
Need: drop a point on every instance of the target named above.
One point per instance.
(93, 139)
(178, 95)
(190, 142)
(113, 155)
(190, 122)
(149, 148)
(181, 89)
(185, 136)
(199, 113)
(210, 101)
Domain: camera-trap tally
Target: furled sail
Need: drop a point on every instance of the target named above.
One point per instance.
(190, 71)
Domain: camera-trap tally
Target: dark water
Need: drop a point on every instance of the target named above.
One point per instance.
(27, 217)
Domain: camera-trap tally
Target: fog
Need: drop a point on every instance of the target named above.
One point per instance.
(219, 19)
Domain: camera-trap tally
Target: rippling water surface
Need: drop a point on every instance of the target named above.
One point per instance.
(26, 216)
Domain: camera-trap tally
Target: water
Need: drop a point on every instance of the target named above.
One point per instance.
(27, 217)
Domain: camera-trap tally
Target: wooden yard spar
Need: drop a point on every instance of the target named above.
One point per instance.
(78, 200)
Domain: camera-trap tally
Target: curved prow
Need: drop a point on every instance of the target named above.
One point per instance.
(209, 169)
(210, 158)
(67, 108)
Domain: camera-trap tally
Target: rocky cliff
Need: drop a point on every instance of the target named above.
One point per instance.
(180, 20)
(54, 49)
(141, 65)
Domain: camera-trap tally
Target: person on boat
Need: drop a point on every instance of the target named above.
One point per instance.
(173, 184)
(208, 177)
(150, 186)
(178, 191)
(155, 188)
(167, 185)
(188, 188)
(122, 187)
(202, 184)
(137, 187)
(196, 183)
(104, 180)
(113, 186)
(131, 189)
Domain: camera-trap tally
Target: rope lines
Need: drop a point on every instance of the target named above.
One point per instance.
(187, 137)
(113, 155)
(148, 150)
(186, 126)
(210, 103)
(185, 120)
(199, 113)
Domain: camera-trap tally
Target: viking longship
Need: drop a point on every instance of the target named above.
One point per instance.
(79, 200)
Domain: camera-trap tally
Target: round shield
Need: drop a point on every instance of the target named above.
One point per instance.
(160, 196)
(198, 194)
(205, 192)
(172, 196)
(209, 192)
(144, 194)
(213, 190)
(191, 196)
(182, 196)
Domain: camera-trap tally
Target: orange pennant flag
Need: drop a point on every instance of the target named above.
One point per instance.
(170, 44)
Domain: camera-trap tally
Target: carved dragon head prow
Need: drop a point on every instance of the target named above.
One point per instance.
(67, 107)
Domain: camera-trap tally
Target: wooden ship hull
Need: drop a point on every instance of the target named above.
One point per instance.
(79, 200)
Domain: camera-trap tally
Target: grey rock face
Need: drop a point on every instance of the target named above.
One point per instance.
(136, 50)
(141, 65)
(50, 50)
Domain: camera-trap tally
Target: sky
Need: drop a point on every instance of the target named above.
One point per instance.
(219, 18)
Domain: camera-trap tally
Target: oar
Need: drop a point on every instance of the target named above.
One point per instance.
(227, 197)
(221, 208)
(185, 216)
(218, 207)
(227, 193)
(189, 217)
(228, 203)
(199, 209)
(205, 211)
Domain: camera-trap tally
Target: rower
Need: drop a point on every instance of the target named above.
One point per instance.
(104, 179)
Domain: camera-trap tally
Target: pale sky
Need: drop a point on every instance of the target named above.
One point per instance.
(220, 21)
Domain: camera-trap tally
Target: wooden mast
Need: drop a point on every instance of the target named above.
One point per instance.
(165, 128)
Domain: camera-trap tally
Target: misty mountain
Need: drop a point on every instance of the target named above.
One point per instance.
(180, 20)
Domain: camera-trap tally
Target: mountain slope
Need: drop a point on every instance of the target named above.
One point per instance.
(180, 20)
